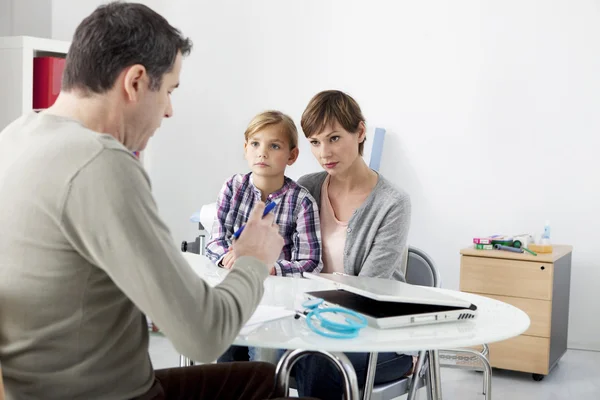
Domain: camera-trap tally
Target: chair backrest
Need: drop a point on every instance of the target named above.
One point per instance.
(204, 218)
(375, 151)
(420, 269)
(207, 216)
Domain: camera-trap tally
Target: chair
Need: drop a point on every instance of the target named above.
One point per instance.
(196, 247)
(420, 270)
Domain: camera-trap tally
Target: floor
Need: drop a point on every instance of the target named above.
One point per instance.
(577, 376)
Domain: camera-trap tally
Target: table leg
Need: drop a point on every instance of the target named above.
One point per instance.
(284, 368)
(435, 383)
(417, 376)
(370, 377)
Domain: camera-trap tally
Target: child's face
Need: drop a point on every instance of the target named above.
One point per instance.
(268, 152)
(336, 149)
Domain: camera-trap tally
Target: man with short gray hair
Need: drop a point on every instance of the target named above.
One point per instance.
(84, 253)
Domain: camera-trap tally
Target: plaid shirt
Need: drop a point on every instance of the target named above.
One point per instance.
(296, 214)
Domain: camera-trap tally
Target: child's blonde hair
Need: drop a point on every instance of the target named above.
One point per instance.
(272, 117)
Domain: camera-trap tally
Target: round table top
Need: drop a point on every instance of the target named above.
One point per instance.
(496, 321)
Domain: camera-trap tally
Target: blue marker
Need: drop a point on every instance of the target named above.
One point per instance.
(268, 209)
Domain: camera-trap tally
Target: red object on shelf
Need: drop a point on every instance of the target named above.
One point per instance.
(47, 77)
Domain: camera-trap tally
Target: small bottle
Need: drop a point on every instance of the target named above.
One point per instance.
(544, 245)
(546, 234)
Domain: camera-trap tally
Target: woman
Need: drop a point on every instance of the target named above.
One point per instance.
(364, 226)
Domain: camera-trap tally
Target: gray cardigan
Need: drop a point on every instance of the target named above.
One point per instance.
(377, 232)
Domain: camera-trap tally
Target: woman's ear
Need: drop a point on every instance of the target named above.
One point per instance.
(362, 132)
(293, 156)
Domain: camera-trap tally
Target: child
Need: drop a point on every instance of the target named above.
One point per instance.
(271, 145)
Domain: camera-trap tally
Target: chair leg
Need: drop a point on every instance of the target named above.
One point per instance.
(484, 354)
(486, 376)
(429, 390)
(487, 369)
(184, 361)
(370, 377)
(486, 380)
(485, 351)
(342, 363)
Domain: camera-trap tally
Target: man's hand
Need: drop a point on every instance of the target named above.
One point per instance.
(260, 239)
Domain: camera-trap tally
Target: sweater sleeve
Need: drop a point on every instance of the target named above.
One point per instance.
(110, 218)
(387, 251)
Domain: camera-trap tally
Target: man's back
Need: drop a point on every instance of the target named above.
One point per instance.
(66, 330)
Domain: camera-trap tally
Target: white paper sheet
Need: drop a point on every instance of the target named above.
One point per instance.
(264, 314)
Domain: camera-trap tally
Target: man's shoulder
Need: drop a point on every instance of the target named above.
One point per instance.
(92, 142)
(104, 155)
(62, 134)
(58, 142)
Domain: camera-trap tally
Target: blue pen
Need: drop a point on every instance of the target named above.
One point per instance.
(237, 233)
(268, 209)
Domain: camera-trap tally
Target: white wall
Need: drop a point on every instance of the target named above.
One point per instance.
(32, 18)
(5, 17)
(67, 14)
(25, 17)
(491, 110)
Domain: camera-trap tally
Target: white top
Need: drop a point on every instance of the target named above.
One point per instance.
(496, 321)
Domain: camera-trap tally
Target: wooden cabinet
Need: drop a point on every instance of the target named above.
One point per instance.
(538, 285)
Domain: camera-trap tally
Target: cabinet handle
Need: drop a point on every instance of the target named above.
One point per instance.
(542, 268)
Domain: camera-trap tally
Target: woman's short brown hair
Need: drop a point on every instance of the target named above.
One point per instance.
(329, 106)
(271, 117)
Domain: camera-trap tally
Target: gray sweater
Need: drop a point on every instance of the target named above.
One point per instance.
(377, 232)
(83, 253)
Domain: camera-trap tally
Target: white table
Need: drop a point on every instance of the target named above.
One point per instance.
(496, 321)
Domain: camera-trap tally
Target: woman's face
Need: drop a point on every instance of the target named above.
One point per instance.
(336, 149)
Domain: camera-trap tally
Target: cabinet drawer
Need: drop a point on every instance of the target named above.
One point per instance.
(522, 353)
(504, 277)
(539, 312)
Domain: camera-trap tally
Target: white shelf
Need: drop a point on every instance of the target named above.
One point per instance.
(17, 54)
(35, 44)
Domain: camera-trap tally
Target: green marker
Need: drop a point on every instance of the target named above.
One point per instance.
(533, 253)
